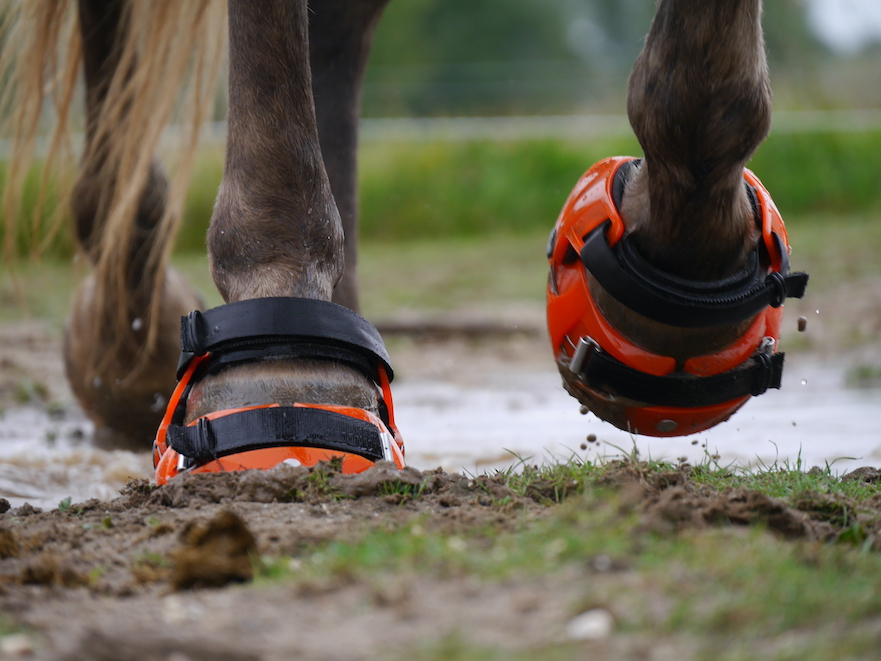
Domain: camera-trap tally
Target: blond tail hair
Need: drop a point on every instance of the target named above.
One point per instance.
(170, 46)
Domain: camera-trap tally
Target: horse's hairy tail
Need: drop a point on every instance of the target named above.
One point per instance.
(169, 46)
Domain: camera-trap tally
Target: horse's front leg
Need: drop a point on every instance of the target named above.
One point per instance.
(121, 376)
(669, 321)
(699, 101)
(276, 232)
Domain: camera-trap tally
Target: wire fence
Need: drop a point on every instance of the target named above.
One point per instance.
(558, 127)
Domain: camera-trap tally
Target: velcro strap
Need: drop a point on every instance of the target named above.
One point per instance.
(280, 426)
(278, 322)
(604, 373)
(633, 282)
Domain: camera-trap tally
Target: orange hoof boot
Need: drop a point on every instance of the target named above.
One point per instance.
(266, 435)
(625, 384)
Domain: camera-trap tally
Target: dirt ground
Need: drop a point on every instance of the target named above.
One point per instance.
(142, 577)
(161, 552)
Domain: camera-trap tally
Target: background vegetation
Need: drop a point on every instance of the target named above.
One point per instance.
(473, 188)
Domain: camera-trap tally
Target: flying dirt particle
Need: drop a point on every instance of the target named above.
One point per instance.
(583, 410)
(584, 446)
(802, 324)
(694, 442)
(591, 438)
(215, 554)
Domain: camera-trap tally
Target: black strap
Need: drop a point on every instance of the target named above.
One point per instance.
(283, 426)
(635, 283)
(283, 327)
(605, 373)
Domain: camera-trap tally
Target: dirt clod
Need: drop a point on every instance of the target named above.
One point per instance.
(10, 547)
(215, 554)
(26, 510)
(681, 506)
(864, 474)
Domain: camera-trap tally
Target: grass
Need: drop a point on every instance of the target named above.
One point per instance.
(835, 248)
(791, 481)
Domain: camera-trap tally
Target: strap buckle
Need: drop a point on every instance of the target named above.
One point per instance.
(585, 346)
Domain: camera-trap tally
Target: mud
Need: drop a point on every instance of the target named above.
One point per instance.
(138, 577)
(671, 502)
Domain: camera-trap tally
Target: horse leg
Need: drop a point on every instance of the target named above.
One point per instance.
(122, 389)
(340, 34)
(667, 345)
(276, 231)
(699, 101)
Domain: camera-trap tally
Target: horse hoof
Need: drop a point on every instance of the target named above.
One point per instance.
(120, 388)
(278, 380)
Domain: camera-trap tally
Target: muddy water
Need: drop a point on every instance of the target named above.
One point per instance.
(46, 458)
(814, 418)
(485, 425)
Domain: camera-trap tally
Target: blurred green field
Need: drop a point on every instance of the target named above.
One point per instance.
(466, 189)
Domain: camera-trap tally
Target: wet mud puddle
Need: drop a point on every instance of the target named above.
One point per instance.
(475, 427)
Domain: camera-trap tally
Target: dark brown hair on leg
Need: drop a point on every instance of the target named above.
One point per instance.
(700, 104)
